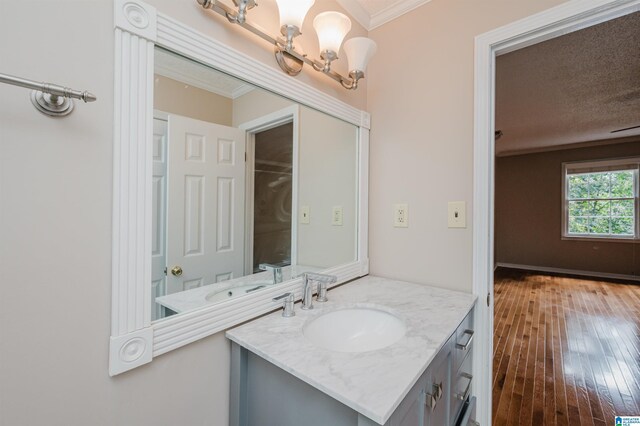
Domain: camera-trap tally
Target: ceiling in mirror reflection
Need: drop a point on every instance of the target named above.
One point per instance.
(192, 73)
(233, 167)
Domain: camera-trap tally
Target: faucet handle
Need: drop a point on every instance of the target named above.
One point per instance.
(323, 281)
(288, 304)
(322, 291)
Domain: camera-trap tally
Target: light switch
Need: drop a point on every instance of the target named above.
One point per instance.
(401, 215)
(457, 217)
(305, 217)
(336, 217)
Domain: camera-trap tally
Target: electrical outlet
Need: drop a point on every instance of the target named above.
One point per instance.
(336, 218)
(457, 217)
(401, 215)
(305, 216)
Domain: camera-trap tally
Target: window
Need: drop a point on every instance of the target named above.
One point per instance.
(601, 199)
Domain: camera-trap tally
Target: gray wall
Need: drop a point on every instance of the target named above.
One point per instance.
(528, 219)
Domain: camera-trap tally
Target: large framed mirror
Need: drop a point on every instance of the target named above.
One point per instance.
(231, 179)
(250, 189)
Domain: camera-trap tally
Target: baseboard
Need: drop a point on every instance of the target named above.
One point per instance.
(569, 271)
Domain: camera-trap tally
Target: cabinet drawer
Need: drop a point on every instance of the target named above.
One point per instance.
(461, 384)
(468, 415)
(463, 342)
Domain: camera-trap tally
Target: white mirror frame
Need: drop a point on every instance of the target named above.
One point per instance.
(135, 340)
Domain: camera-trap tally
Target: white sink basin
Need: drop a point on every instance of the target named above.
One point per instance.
(355, 330)
(232, 293)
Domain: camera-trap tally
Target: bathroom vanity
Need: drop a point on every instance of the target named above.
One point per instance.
(410, 365)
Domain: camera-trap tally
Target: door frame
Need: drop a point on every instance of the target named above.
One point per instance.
(565, 18)
(290, 114)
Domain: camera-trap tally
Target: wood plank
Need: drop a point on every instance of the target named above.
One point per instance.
(566, 350)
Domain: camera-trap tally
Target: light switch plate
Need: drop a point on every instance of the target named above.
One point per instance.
(305, 217)
(336, 217)
(457, 215)
(401, 215)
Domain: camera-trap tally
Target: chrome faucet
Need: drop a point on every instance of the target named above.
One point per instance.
(277, 271)
(307, 287)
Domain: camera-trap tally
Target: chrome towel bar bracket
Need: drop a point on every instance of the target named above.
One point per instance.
(50, 99)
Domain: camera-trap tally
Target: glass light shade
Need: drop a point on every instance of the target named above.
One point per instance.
(331, 28)
(292, 12)
(359, 51)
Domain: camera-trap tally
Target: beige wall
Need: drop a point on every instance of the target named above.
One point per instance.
(328, 160)
(529, 211)
(176, 97)
(327, 177)
(55, 244)
(421, 100)
(255, 104)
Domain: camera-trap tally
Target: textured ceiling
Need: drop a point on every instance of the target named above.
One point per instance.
(575, 88)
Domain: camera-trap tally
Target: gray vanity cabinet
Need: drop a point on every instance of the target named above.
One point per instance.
(436, 407)
(263, 394)
(441, 396)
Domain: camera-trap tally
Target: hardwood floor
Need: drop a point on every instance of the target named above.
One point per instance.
(566, 350)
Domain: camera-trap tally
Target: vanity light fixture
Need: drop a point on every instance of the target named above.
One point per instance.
(332, 27)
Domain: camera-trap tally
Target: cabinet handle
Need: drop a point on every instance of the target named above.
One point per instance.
(465, 346)
(433, 398)
(437, 390)
(464, 396)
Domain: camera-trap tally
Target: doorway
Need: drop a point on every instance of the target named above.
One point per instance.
(272, 196)
(563, 19)
(567, 147)
(271, 189)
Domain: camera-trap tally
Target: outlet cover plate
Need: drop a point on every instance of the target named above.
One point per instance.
(336, 217)
(401, 215)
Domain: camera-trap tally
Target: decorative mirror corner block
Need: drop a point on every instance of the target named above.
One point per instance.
(130, 350)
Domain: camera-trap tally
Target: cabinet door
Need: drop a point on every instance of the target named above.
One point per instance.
(436, 409)
(415, 414)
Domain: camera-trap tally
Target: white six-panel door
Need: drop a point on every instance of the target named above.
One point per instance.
(159, 214)
(206, 203)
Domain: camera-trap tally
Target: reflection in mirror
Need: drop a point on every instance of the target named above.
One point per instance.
(249, 189)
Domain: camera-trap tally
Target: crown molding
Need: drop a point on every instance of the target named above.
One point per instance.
(198, 76)
(371, 21)
(200, 83)
(394, 11)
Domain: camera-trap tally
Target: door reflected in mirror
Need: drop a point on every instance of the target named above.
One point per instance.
(250, 189)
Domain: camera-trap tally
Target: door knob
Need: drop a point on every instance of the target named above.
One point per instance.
(176, 271)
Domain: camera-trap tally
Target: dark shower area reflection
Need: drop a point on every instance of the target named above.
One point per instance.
(272, 196)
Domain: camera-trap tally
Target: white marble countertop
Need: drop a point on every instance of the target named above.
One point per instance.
(373, 383)
(196, 298)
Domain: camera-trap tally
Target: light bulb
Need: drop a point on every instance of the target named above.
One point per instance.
(292, 12)
(331, 27)
(359, 51)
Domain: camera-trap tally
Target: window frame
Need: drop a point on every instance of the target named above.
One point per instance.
(595, 166)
